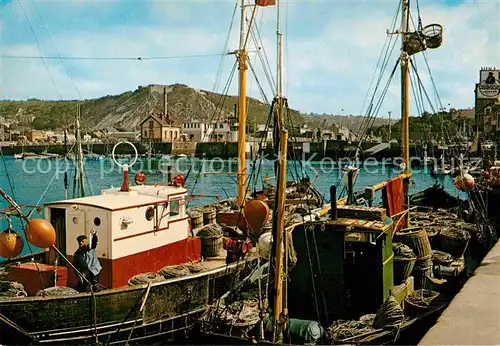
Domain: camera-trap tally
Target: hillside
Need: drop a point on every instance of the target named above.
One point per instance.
(125, 111)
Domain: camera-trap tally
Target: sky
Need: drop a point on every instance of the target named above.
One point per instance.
(331, 49)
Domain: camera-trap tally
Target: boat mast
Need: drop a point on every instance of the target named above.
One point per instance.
(242, 109)
(80, 151)
(279, 221)
(405, 104)
(405, 82)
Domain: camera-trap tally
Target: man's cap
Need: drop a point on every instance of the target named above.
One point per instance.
(80, 238)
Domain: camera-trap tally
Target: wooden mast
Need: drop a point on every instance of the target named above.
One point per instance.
(242, 109)
(278, 310)
(405, 99)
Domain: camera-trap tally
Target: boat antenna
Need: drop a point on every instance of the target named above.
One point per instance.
(65, 158)
(80, 151)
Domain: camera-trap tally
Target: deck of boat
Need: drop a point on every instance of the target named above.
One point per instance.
(473, 317)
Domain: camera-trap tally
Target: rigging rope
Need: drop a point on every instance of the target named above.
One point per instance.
(39, 49)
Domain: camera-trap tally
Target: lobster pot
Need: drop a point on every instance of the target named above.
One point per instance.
(422, 269)
(454, 241)
(433, 35)
(197, 221)
(403, 267)
(211, 246)
(209, 215)
(417, 240)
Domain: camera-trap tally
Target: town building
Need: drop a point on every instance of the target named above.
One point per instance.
(199, 131)
(487, 103)
(158, 128)
(36, 136)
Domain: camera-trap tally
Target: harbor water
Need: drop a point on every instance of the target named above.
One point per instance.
(37, 181)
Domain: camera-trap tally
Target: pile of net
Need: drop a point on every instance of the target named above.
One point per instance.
(210, 230)
(342, 329)
(390, 313)
(56, 292)
(402, 251)
(12, 289)
(174, 271)
(245, 311)
(441, 257)
(194, 213)
(167, 272)
(145, 278)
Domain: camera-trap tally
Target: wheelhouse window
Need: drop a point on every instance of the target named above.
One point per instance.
(174, 208)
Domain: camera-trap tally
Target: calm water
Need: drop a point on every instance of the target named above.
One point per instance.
(38, 181)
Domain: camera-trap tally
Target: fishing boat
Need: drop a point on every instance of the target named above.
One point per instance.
(163, 263)
(142, 229)
(341, 278)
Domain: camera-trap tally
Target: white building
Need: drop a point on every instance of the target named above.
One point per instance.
(199, 131)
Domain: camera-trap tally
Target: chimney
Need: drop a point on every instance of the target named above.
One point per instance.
(165, 102)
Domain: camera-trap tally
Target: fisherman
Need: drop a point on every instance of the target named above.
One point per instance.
(86, 262)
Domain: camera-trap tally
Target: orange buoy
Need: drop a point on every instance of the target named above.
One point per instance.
(257, 214)
(179, 180)
(40, 233)
(140, 178)
(464, 182)
(11, 244)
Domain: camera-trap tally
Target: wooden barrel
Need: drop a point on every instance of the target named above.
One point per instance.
(209, 215)
(211, 246)
(417, 240)
(197, 221)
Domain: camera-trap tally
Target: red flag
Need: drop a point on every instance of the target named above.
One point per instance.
(265, 2)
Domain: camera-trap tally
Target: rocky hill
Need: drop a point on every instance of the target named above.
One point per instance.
(125, 111)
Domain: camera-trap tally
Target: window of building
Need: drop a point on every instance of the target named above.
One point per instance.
(151, 124)
(174, 208)
(97, 221)
(145, 133)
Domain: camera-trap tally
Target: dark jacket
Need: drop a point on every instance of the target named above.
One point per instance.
(86, 260)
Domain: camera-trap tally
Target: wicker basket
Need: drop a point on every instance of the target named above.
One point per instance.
(415, 308)
(416, 239)
(211, 246)
(402, 268)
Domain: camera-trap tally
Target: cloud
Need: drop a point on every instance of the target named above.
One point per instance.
(331, 49)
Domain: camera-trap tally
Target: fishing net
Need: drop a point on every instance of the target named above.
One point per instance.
(194, 213)
(441, 257)
(367, 319)
(210, 230)
(174, 271)
(402, 250)
(145, 278)
(390, 313)
(242, 311)
(342, 329)
(56, 292)
(12, 289)
(196, 267)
